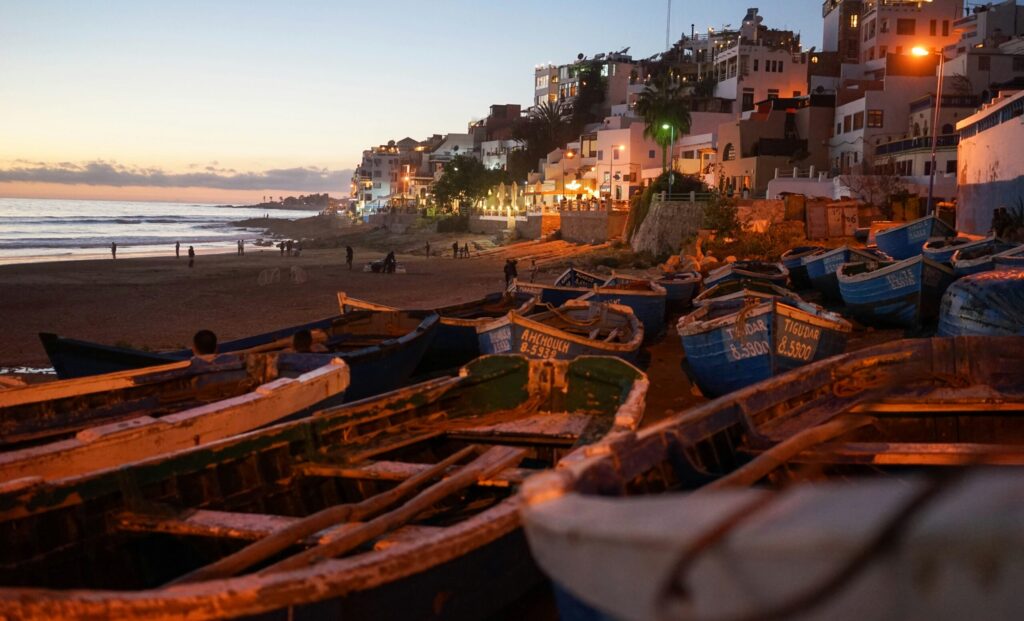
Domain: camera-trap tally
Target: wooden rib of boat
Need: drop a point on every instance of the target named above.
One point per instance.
(984, 304)
(381, 349)
(1012, 259)
(978, 257)
(793, 260)
(369, 510)
(899, 293)
(742, 289)
(885, 411)
(72, 427)
(774, 273)
(680, 289)
(455, 342)
(821, 268)
(907, 240)
(734, 343)
(645, 297)
(577, 328)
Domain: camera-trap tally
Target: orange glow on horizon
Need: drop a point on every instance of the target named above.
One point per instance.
(142, 193)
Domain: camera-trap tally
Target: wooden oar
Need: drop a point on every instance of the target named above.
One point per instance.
(493, 461)
(267, 547)
(782, 452)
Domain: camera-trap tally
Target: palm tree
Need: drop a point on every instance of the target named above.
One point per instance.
(666, 110)
(550, 120)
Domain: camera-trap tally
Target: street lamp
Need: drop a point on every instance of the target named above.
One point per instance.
(672, 147)
(611, 173)
(568, 154)
(921, 51)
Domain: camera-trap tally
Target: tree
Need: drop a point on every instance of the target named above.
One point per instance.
(665, 109)
(877, 185)
(543, 130)
(465, 180)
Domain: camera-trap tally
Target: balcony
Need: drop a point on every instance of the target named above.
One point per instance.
(919, 143)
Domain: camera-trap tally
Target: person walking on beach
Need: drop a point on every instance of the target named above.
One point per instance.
(191, 256)
(455, 250)
(465, 250)
(241, 246)
(177, 250)
(533, 269)
(389, 263)
(113, 249)
(428, 249)
(281, 246)
(288, 247)
(510, 272)
(349, 254)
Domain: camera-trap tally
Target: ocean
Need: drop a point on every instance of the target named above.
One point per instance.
(56, 230)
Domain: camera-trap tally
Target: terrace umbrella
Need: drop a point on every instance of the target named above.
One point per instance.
(501, 194)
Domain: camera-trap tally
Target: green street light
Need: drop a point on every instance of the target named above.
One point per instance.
(665, 126)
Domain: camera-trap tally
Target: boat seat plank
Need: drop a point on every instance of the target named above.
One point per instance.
(401, 471)
(914, 454)
(548, 424)
(221, 524)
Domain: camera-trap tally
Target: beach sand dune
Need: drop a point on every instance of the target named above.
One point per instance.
(158, 303)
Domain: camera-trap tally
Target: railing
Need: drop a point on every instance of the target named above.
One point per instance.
(685, 197)
(800, 173)
(921, 142)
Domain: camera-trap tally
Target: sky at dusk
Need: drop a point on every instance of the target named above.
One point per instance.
(225, 101)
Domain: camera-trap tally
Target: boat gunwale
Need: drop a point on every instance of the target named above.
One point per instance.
(691, 324)
(894, 266)
(532, 323)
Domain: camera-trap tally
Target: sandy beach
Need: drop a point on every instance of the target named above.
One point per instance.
(159, 303)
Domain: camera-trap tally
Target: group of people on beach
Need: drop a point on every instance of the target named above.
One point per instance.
(460, 253)
(290, 248)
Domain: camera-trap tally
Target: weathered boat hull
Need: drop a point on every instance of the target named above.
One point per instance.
(680, 289)
(793, 260)
(374, 369)
(907, 240)
(979, 257)
(83, 425)
(742, 289)
(822, 268)
(1012, 259)
(153, 521)
(905, 293)
(986, 304)
(749, 344)
(535, 337)
(774, 273)
(646, 299)
(941, 250)
(551, 295)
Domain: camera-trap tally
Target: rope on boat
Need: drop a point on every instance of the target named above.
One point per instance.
(675, 599)
(566, 318)
(749, 304)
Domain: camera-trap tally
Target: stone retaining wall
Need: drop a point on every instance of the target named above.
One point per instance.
(592, 227)
(667, 225)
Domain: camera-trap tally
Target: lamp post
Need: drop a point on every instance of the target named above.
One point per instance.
(671, 164)
(568, 154)
(619, 148)
(920, 51)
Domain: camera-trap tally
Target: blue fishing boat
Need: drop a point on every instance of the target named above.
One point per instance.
(984, 304)
(381, 349)
(574, 277)
(899, 293)
(455, 343)
(1012, 259)
(821, 268)
(942, 249)
(742, 289)
(907, 240)
(577, 328)
(570, 285)
(793, 260)
(645, 297)
(680, 289)
(734, 343)
(978, 257)
(774, 273)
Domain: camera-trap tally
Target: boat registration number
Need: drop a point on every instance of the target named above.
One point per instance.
(919, 231)
(901, 279)
(797, 340)
(501, 340)
(540, 345)
(748, 349)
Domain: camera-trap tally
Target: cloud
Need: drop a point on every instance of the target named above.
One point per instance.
(100, 172)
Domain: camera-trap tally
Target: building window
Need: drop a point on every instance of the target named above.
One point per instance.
(615, 153)
(876, 118)
(906, 26)
(688, 155)
(853, 21)
(755, 64)
(884, 25)
(376, 173)
(945, 27)
(927, 168)
(847, 123)
(839, 128)
(950, 167)
(773, 93)
(933, 28)
(882, 49)
(728, 153)
(748, 99)
(984, 63)
(600, 154)
(858, 120)
(651, 155)
(947, 129)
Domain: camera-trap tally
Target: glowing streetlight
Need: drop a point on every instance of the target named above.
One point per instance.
(921, 51)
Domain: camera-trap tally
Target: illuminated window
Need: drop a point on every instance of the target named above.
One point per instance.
(853, 21)
(876, 118)
(729, 153)
(858, 120)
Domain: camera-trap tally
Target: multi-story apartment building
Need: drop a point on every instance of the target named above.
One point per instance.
(562, 83)
(897, 26)
(842, 28)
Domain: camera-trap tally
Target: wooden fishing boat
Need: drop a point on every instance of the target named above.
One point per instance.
(646, 298)
(821, 268)
(793, 260)
(578, 278)
(71, 427)
(1012, 259)
(898, 408)
(400, 506)
(455, 342)
(680, 289)
(907, 240)
(570, 285)
(978, 257)
(742, 289)
(984, 304)
(577, 328)
(942, 249)
(900, 293)
(381, 349)
(734, 343)
(774, 273)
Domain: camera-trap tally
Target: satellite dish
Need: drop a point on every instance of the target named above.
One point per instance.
(819, 90)
(580, 56)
